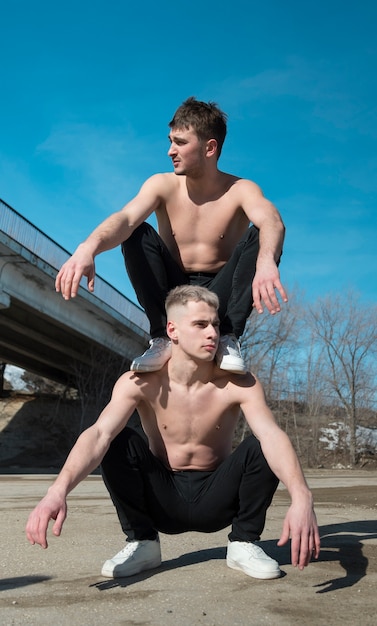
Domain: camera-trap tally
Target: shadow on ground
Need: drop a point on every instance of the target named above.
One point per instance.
(341, 543)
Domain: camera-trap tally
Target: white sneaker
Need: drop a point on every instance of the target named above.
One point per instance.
(252, 560)
(228, 355)
(135, 557)
(154, 358)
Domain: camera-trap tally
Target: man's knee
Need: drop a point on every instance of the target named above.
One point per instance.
(250, 447)
(251, 452)
(128, 446)
(136, 238)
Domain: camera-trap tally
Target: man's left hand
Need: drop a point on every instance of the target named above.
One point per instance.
(300, 525)
(266, 282)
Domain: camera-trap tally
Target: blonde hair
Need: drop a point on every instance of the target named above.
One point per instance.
(191, 293)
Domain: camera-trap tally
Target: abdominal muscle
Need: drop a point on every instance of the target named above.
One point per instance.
(193, 444)
(189, 457)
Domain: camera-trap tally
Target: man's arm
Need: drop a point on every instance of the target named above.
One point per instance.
(111, 233)
(300, 521)
(85, 456)
(264, 215)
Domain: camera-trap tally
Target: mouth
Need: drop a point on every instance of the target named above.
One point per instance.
(210, 347)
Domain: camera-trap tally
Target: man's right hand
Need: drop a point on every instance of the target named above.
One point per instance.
(50, 507)
(68, 279)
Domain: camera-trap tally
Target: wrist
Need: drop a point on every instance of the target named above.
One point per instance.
(89, 247)
(302, 493)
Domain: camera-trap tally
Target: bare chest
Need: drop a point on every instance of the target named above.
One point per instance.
(217, 220)
(194, 417)
(204, 235)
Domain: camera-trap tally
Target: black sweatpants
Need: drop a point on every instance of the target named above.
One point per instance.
(149, 497)
(153, 273)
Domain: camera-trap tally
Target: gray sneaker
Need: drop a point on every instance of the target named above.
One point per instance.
(228, 355)
(136, 557)
(154, 358)
(249, 558)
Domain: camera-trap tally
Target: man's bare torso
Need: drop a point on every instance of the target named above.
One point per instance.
(201, 232)
(189, 427)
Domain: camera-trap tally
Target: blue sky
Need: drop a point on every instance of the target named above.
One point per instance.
(88, 88)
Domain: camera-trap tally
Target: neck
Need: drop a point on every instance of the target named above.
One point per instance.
(206, 182)
(188, 372)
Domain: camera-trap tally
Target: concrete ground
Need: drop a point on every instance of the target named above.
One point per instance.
(63, 586)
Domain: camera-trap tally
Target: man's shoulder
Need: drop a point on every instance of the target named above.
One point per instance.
(162, 184)
(162, 178)
(240, 183)
(235, 381)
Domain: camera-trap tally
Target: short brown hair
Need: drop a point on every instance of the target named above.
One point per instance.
(191, 293)
(207, 120)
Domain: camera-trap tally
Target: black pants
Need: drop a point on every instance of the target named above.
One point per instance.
(150, 498)
(153, 272)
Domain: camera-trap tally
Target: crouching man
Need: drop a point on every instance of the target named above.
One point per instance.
(184, 475)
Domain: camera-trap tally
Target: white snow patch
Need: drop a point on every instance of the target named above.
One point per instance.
(338, 433)
(13, 376)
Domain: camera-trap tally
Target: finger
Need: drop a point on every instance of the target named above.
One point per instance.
(57, 282)
(257, 300)
(306, 550)
(57, 527)
(70, 284)
(281, 291)
(275, 304)
(295, 551)
(36, 532)
(317, 544)
(284, 537)
(91, 283)
(64, 280)
(41, 533)
(270, 300)
(74, 284)
(30, 537)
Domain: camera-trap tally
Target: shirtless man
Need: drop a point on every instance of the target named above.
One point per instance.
(204, 238)
(186, 477)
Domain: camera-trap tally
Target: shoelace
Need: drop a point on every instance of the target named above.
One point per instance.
(255, 550)
(129, 548)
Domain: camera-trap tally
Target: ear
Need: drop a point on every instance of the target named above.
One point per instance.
(171, 330)
(211, 147)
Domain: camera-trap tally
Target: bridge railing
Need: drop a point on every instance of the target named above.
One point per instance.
(41, 245)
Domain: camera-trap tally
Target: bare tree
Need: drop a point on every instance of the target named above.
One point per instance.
(94, 380)
(269, 346)
(311, 389)
(346, 332)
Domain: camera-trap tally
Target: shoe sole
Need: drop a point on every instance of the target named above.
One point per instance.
(235, 369)
(254, 573)
(145, 368)
(142, 567)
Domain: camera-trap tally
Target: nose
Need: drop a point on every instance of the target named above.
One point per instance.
(172, 150)
(213, 331)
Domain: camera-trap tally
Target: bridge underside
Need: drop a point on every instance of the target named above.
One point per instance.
(60, 340)
(41, 345)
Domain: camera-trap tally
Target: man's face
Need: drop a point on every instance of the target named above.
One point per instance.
(187, 152)
(195, 327)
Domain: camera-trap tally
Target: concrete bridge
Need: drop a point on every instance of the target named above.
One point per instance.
(44, 334)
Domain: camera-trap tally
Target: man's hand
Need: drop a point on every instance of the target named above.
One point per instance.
(68, 279)
(300, 525)
(50, 507)
(266, 281)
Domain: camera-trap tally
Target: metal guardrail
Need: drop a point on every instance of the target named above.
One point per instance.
(37, 242)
